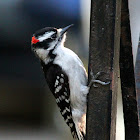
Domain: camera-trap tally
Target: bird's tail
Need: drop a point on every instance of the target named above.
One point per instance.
(80, 127)
(78, 135)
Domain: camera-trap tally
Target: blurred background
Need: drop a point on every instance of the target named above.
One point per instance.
(27, 108)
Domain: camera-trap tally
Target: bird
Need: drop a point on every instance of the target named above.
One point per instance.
(65, 75)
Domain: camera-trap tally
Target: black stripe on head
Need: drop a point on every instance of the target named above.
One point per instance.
(44, 30)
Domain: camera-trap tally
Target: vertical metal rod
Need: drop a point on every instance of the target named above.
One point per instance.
(127, 77)
(104, 56)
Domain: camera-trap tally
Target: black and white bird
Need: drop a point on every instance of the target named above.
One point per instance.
(65, 75)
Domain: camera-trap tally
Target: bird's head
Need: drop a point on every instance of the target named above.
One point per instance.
(47, 39)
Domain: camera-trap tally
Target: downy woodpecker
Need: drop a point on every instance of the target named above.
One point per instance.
(65, 75)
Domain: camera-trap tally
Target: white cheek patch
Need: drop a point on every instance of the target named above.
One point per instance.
(42, 54)
(45, 36)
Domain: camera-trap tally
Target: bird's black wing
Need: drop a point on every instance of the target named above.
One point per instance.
(59, 85)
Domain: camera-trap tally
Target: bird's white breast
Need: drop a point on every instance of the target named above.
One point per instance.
(73, 66)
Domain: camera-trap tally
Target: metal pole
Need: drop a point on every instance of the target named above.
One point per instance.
(104, 56)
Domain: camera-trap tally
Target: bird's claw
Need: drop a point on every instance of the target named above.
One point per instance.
(94, 79)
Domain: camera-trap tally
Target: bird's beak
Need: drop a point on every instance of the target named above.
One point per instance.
(65, 29)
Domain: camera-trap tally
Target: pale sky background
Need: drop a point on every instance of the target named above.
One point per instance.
(134, 6)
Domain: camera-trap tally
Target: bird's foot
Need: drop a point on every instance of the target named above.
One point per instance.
(94, 79)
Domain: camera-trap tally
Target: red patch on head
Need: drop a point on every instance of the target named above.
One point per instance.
(34, 40)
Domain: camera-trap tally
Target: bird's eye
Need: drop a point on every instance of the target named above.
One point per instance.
(53, 36)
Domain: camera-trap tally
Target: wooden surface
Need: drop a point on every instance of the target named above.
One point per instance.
(103, 56)
(127, 77)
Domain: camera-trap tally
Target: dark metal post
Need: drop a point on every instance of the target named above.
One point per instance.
(137, 75)
(127, 77)
(104, 56)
